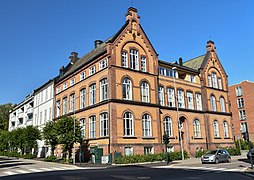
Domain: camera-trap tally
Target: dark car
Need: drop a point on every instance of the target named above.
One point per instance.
(252, 153)
(216, 156)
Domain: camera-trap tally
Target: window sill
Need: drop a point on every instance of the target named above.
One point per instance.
(198, 138)
(217, 137)
(227, 138)
(129, 137)
(148, 138)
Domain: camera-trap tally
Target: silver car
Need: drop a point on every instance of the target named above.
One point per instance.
(216, 156)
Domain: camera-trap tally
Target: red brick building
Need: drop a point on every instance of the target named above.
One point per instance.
(241, 97)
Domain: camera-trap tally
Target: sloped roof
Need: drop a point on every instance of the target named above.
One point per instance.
(195, 63)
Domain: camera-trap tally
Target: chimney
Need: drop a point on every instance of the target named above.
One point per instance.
(61, 70)
(74, 57)
(97, 43)
(210, 46)
(132, 13)
(180, 61)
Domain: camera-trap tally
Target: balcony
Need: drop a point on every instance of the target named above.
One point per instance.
(30, 110)
(21, 114)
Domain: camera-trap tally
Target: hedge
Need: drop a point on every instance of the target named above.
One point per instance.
(16, 154)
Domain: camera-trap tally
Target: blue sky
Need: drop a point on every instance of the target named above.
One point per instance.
(37, 36)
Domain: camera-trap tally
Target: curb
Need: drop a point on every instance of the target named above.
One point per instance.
(250, 174)
(131, 164)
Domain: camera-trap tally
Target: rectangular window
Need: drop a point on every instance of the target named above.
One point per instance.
(161, 71)
(190, 100)
(143, 64)
(192, 78)
(242, 115)
(199, 102)
(65, 85)
(209, 81)
(58, 90)
(171, 97)
(103, 89)
(214, 79)
(219, 83)
(50, 113)
(161, 96)
(42, 96)
(82, 76)
(83, 127)
(128, 151)
(180, 96)
(40, 117)
(82, 98)
(239, 91)
(58, 108)
(65, 105)
(72, 81)
(134, 59)
(243, 127)
(103, 64)
(45, 116)
(92, 94)
(124, 59)
(148, 150)
(72, 102)
(240, 103)
(92, 127)
(46, 98)
(92, 70)
(104, 124)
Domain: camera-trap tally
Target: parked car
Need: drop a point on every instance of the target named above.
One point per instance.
(216, 156)
(252, 153)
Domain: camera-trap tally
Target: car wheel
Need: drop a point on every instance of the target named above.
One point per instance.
(216, 161)
(229, 160)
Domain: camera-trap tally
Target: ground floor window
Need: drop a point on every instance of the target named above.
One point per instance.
(170, 149)
(128, 151)
(148, 150)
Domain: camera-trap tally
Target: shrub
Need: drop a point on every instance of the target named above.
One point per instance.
(50, 159)
(200, 153)
(28, 156)
(243, 144)
(234, 151)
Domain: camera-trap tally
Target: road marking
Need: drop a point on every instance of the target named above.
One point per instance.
(47, 169)
(21, 171)
(35, 170)
(10, 173)
(56, 168)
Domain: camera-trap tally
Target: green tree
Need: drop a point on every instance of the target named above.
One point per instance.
(4, 115)
(17, 139)
(4, 140)
(31, 134)
(66, 136)
(50, 135)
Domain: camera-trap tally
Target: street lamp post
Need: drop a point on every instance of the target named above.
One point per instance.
(177, 111)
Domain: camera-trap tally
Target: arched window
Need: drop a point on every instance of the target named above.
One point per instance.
(168, 129)
(127, 89)
(197, 130)
(144, 92)
(213, 103)
(128, 124)
(214, 79)
(225, 128)
(222, 104)
(147, 125)
(92, 94)
(92, 127)
(134, 59)
(216, 129)
(103, 89)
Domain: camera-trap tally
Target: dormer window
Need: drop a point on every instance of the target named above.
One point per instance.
(134, 59)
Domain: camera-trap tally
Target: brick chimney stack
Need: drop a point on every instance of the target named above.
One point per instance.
(74, 57)
(210, 46)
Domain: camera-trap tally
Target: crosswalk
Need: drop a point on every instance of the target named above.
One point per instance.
(42, 169)
(206, 169)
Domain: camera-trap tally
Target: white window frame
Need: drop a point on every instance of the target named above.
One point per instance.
(161, 95)
(82, 97)
(197, 128)
(134, 59)
(92, 70)
(199, 102)
(72, 81)
(65, 105)
(222, 104)
(103, 64)
(209, 78)
(214, 80)
(128, 124)
(180, 96)
(58, 107)
(239, 91)
(240, 103)
(92, 127)
(128, 151)
(92, 94)
(190, 100)
(143, 64)
(148, 150)
(124, 59)
(216, 129)
(192, 78)
(103, 89)
(104, 124)
(83, 127)
(225, 128)
(171, 97)
(127, 89)
(72, 102)
(168, 126)
(213, 103)
(242, 114)
(219, 83)
(145, 92)
(65, 85)
(147, 125)
(82, 75)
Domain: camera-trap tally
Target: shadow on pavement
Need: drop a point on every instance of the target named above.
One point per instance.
(13, 165)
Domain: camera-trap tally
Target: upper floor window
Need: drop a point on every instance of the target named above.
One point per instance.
(134, 59)
(222, 104)
(147, 125)
(214, 79)
(92, 94)
(197, 129)
(65, 105)
(72, 81)
(104, 124)
(143, 64)
(180, 96)
(103, 89)
(92, 127)
(209, 81)
(216, 129)
(171, 97)
(92, 70)
(168, 127)
(58, 90)
(82, 96)
(240, 103)
(219, 83)
(82, 75)
(190, 100)
(103, 64)
(83, 127)
(161, 96)
(242, 114)
(239, 91)
(192, 78)
(124, 59)
(199, 102)
(72, 102)
(58, 108)
(213, 103)
(127, 89)
(65, 85)
(225, 128)
(128, 124)
(145, 92)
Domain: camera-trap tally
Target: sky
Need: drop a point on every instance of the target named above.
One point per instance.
(38, 36)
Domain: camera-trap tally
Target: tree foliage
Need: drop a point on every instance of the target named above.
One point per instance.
(4, 115)
(49, 134)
